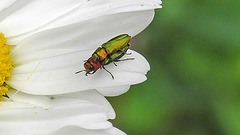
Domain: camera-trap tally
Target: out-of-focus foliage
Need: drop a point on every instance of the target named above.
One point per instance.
(193, 87)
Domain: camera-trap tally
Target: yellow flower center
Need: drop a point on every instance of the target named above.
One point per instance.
(5, 65)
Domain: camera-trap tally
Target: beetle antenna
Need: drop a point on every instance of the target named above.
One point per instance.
(79, 71)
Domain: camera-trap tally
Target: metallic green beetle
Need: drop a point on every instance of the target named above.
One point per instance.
(109, 52)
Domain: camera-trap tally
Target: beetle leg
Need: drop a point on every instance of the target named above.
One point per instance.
(124, 59)
(108, 72)
(114, 63)
(90, 73)
(128, 53)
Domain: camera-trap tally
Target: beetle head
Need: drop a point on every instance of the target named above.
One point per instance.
(90, 66)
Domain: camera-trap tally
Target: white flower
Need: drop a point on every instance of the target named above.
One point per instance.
(54, 37)
(84, 113)
(51, 39)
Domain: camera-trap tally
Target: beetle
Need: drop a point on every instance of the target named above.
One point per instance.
(109, 52)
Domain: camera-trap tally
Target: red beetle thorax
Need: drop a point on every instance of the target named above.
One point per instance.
(91, 63)
(96, 65)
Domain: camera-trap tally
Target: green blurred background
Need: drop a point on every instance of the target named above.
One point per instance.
(193, 87)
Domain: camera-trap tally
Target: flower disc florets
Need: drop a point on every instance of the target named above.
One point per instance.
(5, 65)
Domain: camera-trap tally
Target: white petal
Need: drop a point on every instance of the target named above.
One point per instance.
(94, 9)
(47, 14)
(5, 4)
(24, 117)
(56, 75)
(113, 90)
(41, 46)
(46, 102)
(82, 36)
(35, 14)
(76, 131)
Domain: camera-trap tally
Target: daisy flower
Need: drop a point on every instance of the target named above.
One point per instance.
(44, 42)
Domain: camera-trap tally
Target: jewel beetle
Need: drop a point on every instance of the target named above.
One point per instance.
(109, 52)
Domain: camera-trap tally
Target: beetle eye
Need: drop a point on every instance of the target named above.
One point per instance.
(88, 66)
